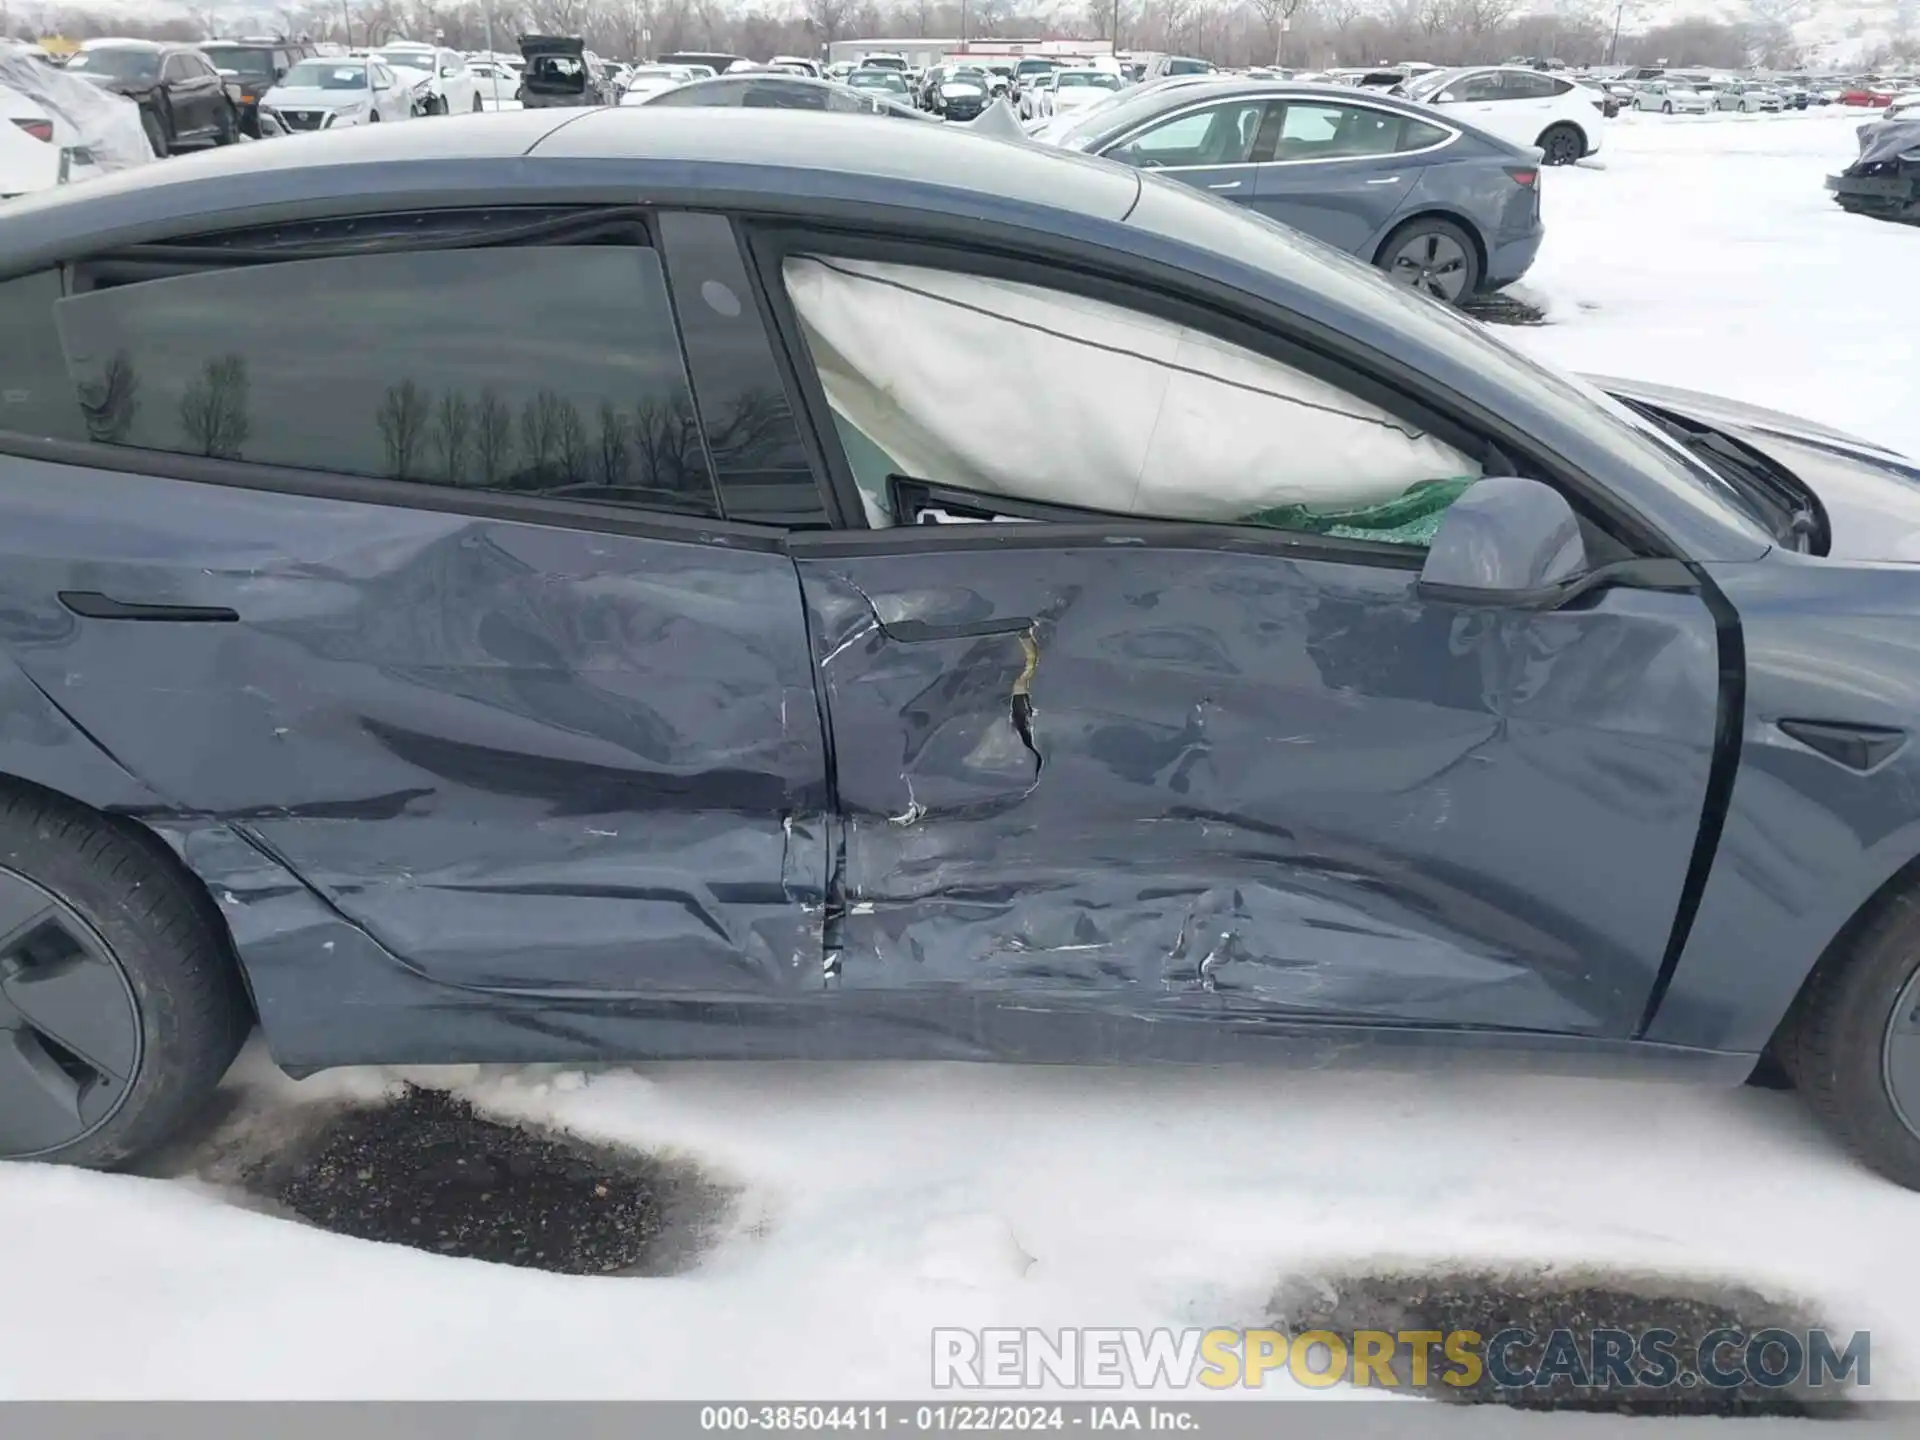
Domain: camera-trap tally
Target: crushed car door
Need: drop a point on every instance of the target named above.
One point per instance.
(1129, 717)
(428, 597)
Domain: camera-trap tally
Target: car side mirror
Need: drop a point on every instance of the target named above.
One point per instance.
(447, 72)
(1506, 541)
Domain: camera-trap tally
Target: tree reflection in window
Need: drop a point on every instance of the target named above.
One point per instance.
(112, 401)
(213, 411)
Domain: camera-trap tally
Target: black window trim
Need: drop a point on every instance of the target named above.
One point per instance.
(771, 242)
(831, 500)
(169, 258)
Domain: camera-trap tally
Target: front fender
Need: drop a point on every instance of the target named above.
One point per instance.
(1807, 840)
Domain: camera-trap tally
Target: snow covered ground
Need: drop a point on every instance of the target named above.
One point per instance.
(877, 1202)
(1706, 253)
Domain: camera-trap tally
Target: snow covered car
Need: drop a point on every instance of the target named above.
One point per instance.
(1884, 181)
(332, 94)
(659, 655)
(56, 128)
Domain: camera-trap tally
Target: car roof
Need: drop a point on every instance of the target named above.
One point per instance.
(774, 152)
(115, 42)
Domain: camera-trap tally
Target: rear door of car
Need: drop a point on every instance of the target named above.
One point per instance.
(446, 591)
(1341, 170)
(1101, 766)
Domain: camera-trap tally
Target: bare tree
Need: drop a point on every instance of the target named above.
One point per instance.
(110, 402)
(402, 418)
(616, 446)
(826, 18)
(1277, 16)
(492, 437)
(453, 436)
(213, 411)
(540, 432)
(570, 445)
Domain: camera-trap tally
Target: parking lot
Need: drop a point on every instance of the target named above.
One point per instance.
(813, 1223)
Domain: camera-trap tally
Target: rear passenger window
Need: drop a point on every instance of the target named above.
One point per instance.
(36, 398)
(1418, 135)
(549, 371)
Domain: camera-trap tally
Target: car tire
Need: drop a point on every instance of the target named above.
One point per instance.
(1852, 1048)
(1666, 107)
(156, 134)
(1428, 241)
(228, 128)
(108, 946)
(477, 106)
(1563, 144)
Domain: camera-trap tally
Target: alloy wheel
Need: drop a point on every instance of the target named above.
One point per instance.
(1431, 262)
(70, 1040)
(1900, 1056)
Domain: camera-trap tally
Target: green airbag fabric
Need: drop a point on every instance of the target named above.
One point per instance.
(1410, 518)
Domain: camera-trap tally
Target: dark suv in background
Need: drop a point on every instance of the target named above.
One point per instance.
(257, 66)
(181, 96)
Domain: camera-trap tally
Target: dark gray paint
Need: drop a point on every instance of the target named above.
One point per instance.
(514, 755)
(1354, 204)
(1253, 781)
(421, 716)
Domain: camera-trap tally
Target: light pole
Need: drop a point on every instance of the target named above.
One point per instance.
(1613, 45)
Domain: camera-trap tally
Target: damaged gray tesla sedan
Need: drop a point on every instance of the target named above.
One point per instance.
(717, 584)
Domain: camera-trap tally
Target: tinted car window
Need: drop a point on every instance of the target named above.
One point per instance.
(248, 62)
(1418, 135)
(36, 398)
(1337, 132)
(121, 64)
(1517, 86)
(551, 371)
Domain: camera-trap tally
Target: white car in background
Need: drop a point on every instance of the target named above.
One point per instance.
(56, 128)
(1671, 97)
(31, 155)
(497, 84)
(1069, 92)
(333, 94)
(1519, 105)
(441, 79)
(646, 81)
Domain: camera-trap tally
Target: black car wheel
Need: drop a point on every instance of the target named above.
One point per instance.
(120, 1006)
(1434, 256)
(477, 106)
(1852, 1042)
(228, 128)
(1563, 144)
(1666, 107)
(156, 133)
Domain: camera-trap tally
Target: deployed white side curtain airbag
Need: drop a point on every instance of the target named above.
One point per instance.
(1029, 393)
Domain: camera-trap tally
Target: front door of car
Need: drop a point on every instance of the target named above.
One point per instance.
(1211, 147)
(429, 598)
(1229, 762)
(1337, 170)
